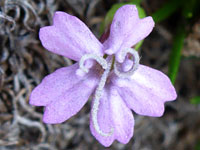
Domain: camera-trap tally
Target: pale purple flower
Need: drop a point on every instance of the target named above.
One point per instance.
(116, 89)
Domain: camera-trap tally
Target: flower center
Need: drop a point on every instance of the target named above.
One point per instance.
(107, 66)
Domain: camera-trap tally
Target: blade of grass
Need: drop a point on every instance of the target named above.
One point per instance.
(176, 52)
(189, 8)
(168, 8)
(195, 101)
(197, 146)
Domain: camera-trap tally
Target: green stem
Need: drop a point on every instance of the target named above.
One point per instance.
(175, 56)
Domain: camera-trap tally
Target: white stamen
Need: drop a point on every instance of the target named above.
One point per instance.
(97, 96)
(99, 59)
(133, 68)
(80, 72)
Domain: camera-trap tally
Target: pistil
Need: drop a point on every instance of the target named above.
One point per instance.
(106, 64)
(97, 96)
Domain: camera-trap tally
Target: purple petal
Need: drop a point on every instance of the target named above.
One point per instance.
(104, 120)
(54, 85)
(146, 91)
(57, 83)
(113, 113)
(122, 118)
(70, 37)
(69, 102)
(127, 29)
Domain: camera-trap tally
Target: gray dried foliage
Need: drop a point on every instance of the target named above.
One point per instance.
(24, 62)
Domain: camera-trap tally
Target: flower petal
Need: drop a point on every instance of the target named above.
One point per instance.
(104, 120)
(57, 83)
(54, 85)
(146, 91)
(113, 113)
(71, 101)
(122, 117)
(70, 37)
(127, 29)
(142, 102)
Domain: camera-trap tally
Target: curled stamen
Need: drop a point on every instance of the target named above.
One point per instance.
(134, 66)
(99, 59)
(97, 96)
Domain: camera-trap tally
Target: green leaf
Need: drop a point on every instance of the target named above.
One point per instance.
(195, 101)
(168, 8)
(137, 2)
(138, 45)
(188, 8)
(176, 52)
(197, 146)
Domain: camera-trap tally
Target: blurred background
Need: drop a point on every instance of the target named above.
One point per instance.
(173, 47)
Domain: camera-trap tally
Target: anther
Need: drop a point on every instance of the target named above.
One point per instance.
(99, 59)
(123, 55)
